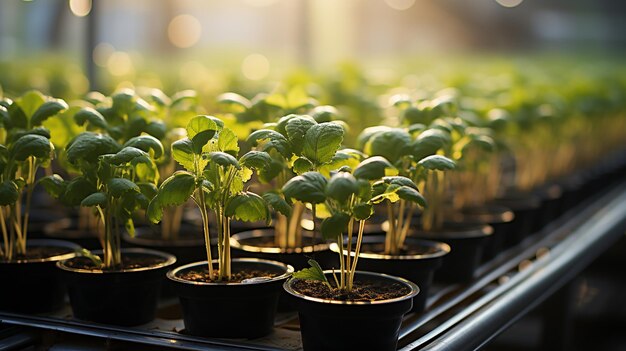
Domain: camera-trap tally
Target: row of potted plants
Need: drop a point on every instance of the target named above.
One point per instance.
(429, 185)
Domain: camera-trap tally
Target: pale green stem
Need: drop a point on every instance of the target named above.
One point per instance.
(357, 252)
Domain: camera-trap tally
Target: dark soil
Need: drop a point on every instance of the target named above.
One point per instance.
(406, 250)
(361, 291)
(128, 262)
(237, 277)
(39, 252)
(268, 241)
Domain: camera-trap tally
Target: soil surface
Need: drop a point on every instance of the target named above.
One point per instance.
(237, 277)
(39, 252)
(361, 291)
(268, 241)
(128, 262)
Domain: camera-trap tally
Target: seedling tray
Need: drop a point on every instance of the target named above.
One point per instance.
(457, 317)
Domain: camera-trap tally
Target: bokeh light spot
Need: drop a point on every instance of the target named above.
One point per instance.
(101, 54)
(184, 31)
(400, 5)
(80, 8)
(509, 3)
(120, 64)
(255, 67)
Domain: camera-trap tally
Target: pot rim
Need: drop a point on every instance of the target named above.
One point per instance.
(169, 260)
(235, 243)
(443, 249)
(48, 242)
(474, 231)
(487, 213)
(159, 241)
(414, 291)
(172, 274)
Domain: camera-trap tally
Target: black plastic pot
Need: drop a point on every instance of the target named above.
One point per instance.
(467, 241)
(500, 218)
(550, 195)
(34, 285)
(259, 244)
(124, 297)
(526, 208)
(419, 268)
(346, 325)
(231, 310)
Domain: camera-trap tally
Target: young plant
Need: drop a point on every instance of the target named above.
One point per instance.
(214, 179)
(24, 147)
(298, 144)
(115, 180)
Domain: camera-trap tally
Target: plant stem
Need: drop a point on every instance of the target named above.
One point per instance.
(391, 232)
(313, 214)
(349, 246)
(342, 267)
(4, 234)
(357, 252)
(205, 230)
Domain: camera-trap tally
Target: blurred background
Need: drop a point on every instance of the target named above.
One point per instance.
(210, 45)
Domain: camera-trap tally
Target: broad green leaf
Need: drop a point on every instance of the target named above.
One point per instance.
(369, 133)
(362, 211)
(200, 130)
(77, 189)
(256, 160)
(149, 190)
(91, 116)
(126, 155)
(174, 191)
(271, 140)
(227, 142)
(156, 129)
(335, 225)
(322, 141)
(5, 120)
(373, 168)
(11, 138)
(315, 272)
(182, 97)
(53, 184)
(391, 144)
(89, 146)
(409, 194)
(182, 152)
(47, 110)
(248, 207)
(118, 186)
(278, 203)
(437, 162)
(146, 143)
(124, 102)
(31, 145)
(95, 199)
(9, 192)
(429, 142)
(310, 187)
(325, 113)
(302, 165)
(343, 158)
(296, 128)
(342, 186)
(271, 172)
(223, 159)
(30, 102)
(233, 102)
(399, 180)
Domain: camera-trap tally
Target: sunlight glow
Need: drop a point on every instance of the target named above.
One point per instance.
(184, 31)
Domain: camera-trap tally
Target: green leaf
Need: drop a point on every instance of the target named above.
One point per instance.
(313, 273)
(429, 142)
(77, 189)
(146, 143)
(30, 102)
(93, 117)
(53, 184)
(182, 152)
(200, 130)
(118, 186)
(271, 140)
(277, 202)
(391, 144)
(124, 102)
(256, 160)
(174, 191)
(149, 190)
(223, 159)
(47, 110)
(126, 155)
(400, 180)
(324, 113)
(342, 186)
(322, 141)
(296, 128)
(156, 129)
(95, 199)
(343, 158)
(409, 194)
(95, 259)
(89, 146)
(437, 162)
(248, 207)
(31, 145)
(9, 192)
(362, 211)
(227, 142)
(369, 133)
(233, 102)
(309, 187)
(335, 225)
(373, 168)
(302, 165)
